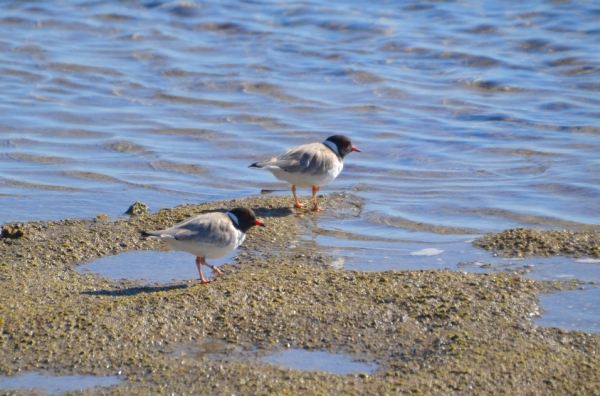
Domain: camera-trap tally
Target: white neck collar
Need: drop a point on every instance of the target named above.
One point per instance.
(233, 218)
(332, 146)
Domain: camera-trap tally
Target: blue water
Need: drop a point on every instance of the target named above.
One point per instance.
(471, 117)
(149, 266)
(299, 359)
(36, 382)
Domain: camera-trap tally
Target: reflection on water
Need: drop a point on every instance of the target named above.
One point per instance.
(150, 266)
(36, 382)
(300, 359)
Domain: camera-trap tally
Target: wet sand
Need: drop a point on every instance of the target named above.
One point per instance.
(432, 332)
(522, 242)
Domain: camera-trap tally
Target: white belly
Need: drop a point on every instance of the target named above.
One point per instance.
(307, 181)
(205, 250)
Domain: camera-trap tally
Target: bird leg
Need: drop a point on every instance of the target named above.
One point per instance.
(316, 208)
(201, 261)
(215, 269)
(297, 203)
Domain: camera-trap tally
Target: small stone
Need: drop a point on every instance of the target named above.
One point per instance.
(137, 208)
(12, 233)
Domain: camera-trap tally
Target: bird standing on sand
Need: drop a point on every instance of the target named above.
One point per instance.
(310, 165)
(209, 235)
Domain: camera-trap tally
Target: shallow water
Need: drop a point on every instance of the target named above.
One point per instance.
(201, 349)
(579, 309)
(148, 266)
(470, 118)
(576, 310)
(300, 359)
(296, 359)
(36, 382)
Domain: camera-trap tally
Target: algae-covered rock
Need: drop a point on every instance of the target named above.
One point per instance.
(137, 208)
(12, 232)
(520, 242)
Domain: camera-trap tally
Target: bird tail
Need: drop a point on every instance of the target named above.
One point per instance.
(274, 163)
(256, 165)
(146, 234)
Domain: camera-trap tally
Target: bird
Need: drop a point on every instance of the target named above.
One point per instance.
(310, 165)
(209, 235)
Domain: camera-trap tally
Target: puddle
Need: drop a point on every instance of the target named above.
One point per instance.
(198, 351)
(572, 310)
(300, 359)
(415, 255)
(48, 384)
(150, 265)
(297, 359)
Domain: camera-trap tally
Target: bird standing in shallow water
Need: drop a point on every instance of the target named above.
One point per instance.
(209, 235)
(310, 165)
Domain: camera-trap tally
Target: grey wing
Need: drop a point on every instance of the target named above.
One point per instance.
(309, 159)
(289, 161)
(211, 229)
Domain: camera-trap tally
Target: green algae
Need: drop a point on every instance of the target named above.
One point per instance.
(137, 208)
(431, 332)
(521, 242)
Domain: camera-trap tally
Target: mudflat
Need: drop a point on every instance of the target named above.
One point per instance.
(432, 332)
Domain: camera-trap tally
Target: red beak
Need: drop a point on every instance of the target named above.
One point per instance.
(354, 149)
(259, 223)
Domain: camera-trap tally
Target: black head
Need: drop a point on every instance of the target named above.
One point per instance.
(246, 219)
(342, 143)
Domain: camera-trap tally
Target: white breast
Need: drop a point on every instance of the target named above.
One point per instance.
(205, 250)
(308, 181)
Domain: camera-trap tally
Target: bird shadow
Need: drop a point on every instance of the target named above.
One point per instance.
(133, 291)
(261, 211)
(273, 212)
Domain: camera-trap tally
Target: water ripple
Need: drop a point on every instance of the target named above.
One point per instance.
(470, 119)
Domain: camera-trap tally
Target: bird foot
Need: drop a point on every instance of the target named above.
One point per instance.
(204, 281)
(299, 205)
(217, 271)
(317, 209)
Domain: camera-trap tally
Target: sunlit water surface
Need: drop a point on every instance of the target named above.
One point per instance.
(36, 382)
(471, 117)
(300, 359)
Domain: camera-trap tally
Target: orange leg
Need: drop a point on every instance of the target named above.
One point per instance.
(316, 208)
(297, 203)
(200, 261)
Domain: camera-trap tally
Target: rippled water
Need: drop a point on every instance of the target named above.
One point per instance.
(471, 118)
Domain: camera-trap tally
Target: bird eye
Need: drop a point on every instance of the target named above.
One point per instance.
(245, 216)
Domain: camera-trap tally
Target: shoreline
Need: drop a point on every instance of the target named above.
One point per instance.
(433, 331)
